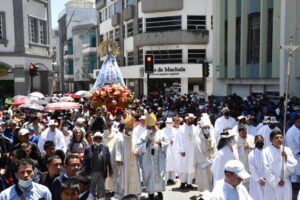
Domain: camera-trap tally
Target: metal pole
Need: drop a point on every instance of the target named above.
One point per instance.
(148, 77)
(31, 83)
(290, 48)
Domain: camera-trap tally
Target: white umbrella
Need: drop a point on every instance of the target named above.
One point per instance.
(83, 93)
(37, 94)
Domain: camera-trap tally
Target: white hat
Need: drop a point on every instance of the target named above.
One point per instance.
(23, 131)
(241, 117)
(98, 134)
(227, 134)
(80, 120)
(236, 167)
(143, 117)
(169, 120)
(190, 115)
(52, 122)
(225, 109)
(273, 120)
(205, 121)
(266, 119)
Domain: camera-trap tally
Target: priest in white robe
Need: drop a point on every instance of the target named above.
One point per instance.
(109, 139)
(205, 150)
(152, 146)
(226, 151)
(170, 132)
(224, 123)
(127, 172)
(257, 179)
(278, 187)
(185, 141)
(245, 144)
(293, 141)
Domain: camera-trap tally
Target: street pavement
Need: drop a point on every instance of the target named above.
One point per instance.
(173, 193)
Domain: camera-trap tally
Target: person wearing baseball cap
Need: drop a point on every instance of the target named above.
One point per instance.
(231, 187)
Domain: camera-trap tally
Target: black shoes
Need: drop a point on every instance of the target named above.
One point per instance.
(170, 182)
(151, 196)
(190, 187)
(160, 196)
(182, 186)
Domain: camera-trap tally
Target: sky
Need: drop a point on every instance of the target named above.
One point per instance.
(56, 7)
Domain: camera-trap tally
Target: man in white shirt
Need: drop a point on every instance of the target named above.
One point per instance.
(224, 123)
(293, 141)
(54, 134)
(276, 157)
(231, 187)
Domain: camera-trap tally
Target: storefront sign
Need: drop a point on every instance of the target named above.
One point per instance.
(5, 69)
(168, 71)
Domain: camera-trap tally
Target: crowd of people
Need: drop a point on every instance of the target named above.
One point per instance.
(229, 149)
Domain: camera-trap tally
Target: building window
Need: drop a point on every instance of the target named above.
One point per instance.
(70, 68)
(196, 22)
(111, 34)
(110, 11)
(117, 34)
(130, 29)
(163, 23)
(141, 57)
(43, 31)
(166, 56)
(33, 30)
(2, 28)
(130, 58)
(253, 38)
(270, 36)
(238, 41)
(129, 2)
(116, 7)
(140, 25)
(90, 63)
(100, 17)
(38, 30)
(196, 55)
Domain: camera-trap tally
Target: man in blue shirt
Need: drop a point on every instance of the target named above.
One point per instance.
(25, 188)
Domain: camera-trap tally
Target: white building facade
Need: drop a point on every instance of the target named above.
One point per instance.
(177, 33)
(80, 14)
(247, 57)
(25, 38)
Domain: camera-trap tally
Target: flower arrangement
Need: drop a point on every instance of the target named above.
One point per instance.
(107, 93)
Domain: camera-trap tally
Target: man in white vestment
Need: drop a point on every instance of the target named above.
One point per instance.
(231, 187)
(245, 144)
(137, 133)
(127, 173)
(109, 139)
(293, 141)
(251, 126)
(205, 150)
(274, 156)
(257, 179)
(270, 125)
(226, 151)
(170, 132)
(153, 145)
(54, 134)
(224, 123)
(185, 142)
